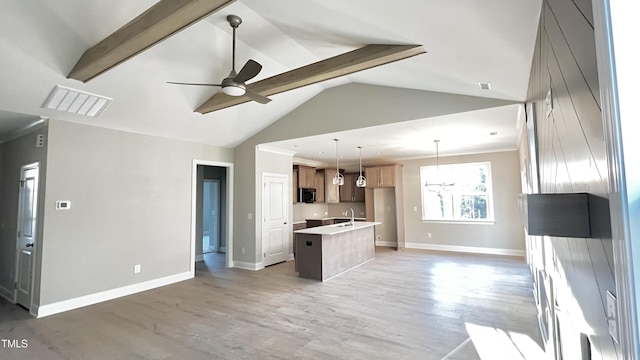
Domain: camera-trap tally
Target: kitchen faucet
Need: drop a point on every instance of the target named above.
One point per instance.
(353, 221)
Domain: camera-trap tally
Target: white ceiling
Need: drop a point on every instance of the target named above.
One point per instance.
(467, 41)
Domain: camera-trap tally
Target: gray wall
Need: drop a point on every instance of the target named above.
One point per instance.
(130, 204)
(506, 233)
(16, 153)
(345, 107)
(572, 159)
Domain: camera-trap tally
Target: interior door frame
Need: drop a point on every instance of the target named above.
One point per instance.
(34, 249)
(228, 207)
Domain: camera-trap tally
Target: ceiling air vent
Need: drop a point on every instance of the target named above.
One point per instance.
(484, 85)
(76, 102)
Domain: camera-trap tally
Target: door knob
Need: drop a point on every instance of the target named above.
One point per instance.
(285, 223)
(30, 245)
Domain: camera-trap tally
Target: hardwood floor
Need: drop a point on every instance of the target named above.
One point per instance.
(413, 304)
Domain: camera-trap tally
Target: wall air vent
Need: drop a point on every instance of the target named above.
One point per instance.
(76, 102)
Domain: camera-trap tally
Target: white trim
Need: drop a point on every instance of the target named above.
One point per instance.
(66, 305)
(386, 243)
(34, 310)
(36, 240)
(8, 294)
(247, 265)
(275, 150)
(228, 206)
(465, 249)
(312, 163)
(614, 23)
(460, 222)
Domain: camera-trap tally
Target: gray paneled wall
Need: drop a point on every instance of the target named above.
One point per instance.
(572, 159)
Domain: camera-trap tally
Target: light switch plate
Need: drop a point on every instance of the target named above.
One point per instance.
(612, 315)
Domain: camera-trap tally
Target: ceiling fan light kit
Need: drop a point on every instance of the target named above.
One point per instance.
(234, 83)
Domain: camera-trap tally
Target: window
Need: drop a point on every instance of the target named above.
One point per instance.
(467, 196)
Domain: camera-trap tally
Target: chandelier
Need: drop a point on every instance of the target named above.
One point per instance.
(438, 183)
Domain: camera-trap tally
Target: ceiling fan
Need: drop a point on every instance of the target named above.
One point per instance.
(168, 17)
(234, 83)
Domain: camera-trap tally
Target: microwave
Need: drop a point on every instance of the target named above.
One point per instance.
(306, 195)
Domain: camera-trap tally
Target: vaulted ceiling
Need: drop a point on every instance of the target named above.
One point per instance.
(466, 42)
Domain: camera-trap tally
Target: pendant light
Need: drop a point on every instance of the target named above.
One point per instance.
(338, 179)
(438, 184)
(361, 181)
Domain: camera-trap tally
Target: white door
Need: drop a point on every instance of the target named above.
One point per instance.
(275, 213)
(27, 211)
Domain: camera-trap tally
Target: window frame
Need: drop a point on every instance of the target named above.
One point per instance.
(490, 219)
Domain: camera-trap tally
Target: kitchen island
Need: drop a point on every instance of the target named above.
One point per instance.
(324, 252)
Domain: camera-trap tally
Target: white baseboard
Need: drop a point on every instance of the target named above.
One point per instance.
(66, 305)
(34, 310)
(199, 257)
(247, 265)
(466, 249)
(7, 294)
(386, 243)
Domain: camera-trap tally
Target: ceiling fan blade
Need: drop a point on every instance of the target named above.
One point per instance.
(257, 97)
(248, 71)
(353, 61)
(195, 84)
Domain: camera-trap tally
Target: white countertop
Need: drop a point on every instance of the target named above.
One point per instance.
(338, 217)
(337, 228)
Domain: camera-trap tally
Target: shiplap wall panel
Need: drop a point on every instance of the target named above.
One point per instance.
(584, 6)
(572, 159)
(574, 27)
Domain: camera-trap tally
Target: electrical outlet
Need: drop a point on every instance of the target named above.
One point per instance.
(429, 235)
(415, 209)
(136, 269)
(243, 250)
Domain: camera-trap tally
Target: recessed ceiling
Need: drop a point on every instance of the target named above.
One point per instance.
(466, 42)
(463, 133)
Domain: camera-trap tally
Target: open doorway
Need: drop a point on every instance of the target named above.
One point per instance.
(211, 221)
(212, 241)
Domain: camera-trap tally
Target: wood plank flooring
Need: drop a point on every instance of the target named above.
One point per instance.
(413, 304)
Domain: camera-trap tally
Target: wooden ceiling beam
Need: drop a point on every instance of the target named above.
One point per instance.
(165, 18)
(360, 59)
